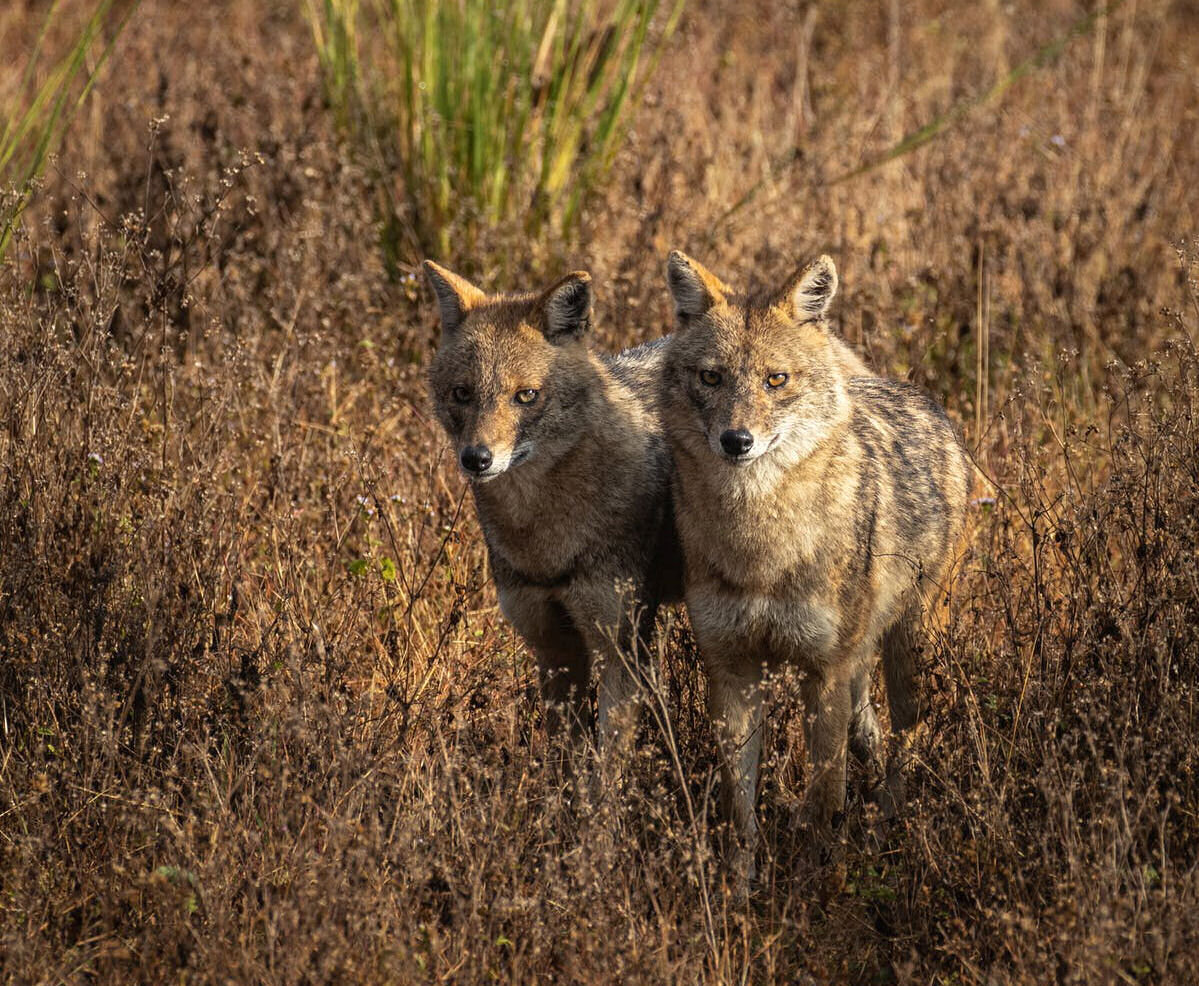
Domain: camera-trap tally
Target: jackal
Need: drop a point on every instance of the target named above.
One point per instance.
(570, 473)
(817, 504)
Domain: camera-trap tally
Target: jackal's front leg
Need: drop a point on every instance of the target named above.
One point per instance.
(563, 661)
(827, 708)
(735, 703)
(617, 626)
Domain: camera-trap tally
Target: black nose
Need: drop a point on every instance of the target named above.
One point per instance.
(475, 458)
(736, 441)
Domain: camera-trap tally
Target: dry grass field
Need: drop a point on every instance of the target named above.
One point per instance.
(260, 718)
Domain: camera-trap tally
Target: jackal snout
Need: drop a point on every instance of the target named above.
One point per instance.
(488, 437)
(736, 442)
(491, 434)
(475, 459)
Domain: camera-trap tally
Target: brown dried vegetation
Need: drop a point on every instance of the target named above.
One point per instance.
(260, 720)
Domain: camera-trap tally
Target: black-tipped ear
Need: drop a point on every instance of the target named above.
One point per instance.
(809, 291)
(566, 308)
(455, 296)
(695, 288)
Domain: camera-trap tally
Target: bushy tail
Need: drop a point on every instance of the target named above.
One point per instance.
(902, 645)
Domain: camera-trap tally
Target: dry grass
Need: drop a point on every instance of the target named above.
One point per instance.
(261, 720)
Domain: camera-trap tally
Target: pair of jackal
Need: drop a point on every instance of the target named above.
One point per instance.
(804, 507)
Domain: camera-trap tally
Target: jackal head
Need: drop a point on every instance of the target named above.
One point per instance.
(747, 377)
(509, 370)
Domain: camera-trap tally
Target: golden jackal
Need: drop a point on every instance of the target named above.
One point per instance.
(813, 499)
(570, 473)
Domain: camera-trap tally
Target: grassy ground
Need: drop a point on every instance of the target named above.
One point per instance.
(261, 720)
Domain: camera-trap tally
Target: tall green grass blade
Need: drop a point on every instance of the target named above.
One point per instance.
(488, 114)
(30, 135)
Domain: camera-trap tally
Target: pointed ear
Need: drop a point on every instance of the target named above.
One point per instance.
(695, 288)
(455, 296)
(809, 291)
(566, 308)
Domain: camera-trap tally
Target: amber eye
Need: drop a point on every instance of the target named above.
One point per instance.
(526, 396)
(710, 378)
(776, 380)
(460, 394)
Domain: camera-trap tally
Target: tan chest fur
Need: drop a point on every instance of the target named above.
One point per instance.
(763, 560)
